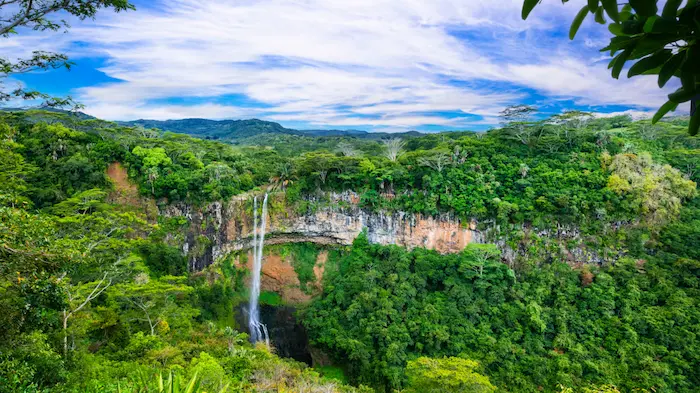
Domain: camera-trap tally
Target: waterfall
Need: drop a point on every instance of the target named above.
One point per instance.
(258, 331)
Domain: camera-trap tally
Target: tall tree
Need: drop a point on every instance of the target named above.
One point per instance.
(517, 120)
(394, 148)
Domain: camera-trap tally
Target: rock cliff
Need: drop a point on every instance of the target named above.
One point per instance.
(220, 228)
(338, 220)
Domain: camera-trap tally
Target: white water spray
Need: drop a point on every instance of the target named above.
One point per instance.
(258, 331)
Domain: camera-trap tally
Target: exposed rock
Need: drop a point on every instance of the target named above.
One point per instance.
(127, 193)
(320, 268)
(338, 220)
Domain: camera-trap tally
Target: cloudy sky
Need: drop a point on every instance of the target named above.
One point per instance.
(364, 64)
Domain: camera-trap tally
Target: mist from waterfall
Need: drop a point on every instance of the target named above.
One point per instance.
(258, 331)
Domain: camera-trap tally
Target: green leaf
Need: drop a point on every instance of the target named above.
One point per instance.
(616, 29)
(576, 24)
(626, 13)
(619, 43)
(665, 108)
(694, 124)
(688, 81)
(644, 7)
(528, 6)
(694, 56)
(649, 24)
(649, 44)
(619, 62)
(193, 385)
(632, 27)
(671, 9)
(648, 63)
(681, 95)
(611, 9)
(600, 16)
(593, 5)
(668, 69)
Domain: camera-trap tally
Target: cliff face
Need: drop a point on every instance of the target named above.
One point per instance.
(219, 229)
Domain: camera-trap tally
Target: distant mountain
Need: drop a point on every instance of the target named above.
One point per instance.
(234, 130)
(231, 130)
(360, 134)
(78, 115)
(216, 129)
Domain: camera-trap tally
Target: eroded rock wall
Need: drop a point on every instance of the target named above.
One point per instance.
(337, 220)
(219, 229)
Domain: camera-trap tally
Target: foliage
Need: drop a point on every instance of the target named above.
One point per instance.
(42, 15)
(662, 41)
(97, 297)
(657, 190)
(427, 375)
(551, 326)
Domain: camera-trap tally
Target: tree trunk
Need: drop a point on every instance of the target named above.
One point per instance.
(65, 334)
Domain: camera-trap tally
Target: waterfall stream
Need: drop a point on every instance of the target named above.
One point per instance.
(258, 331)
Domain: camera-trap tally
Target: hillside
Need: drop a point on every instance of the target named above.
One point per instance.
(541, 257)
(237, 130)
(216, 129)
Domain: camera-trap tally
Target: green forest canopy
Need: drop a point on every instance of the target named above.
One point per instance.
(96, 295)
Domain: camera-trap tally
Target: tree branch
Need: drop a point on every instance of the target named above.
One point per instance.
(97, 291)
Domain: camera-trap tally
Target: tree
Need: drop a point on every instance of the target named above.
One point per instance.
(77, 303)
(219, 171)
(656, 190)
(347, 149)
(43, 15)
(154, 301)
(13, 184)
(318, 164)
(661, 42)
(571, 123)
(234, 338)
(516, 119)
(686, 159)
(426, 375)
(437, 162)
(284, 177)
(155, 157)
(153, 161)
(394, 148)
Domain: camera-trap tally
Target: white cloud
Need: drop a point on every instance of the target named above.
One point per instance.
(117, 111)
(589, 84)
(387, 63)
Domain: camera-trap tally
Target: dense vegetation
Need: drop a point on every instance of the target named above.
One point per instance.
(96, 297)
(97, 294)
(633, 324)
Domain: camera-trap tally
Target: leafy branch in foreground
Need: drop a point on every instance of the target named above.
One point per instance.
(36, 15)
(661, 42)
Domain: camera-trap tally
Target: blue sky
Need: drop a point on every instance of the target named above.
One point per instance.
(385, 65)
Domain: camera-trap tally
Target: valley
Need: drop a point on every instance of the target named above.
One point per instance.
(568, 260)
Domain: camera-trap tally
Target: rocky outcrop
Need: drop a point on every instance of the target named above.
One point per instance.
(219, 229)
(125, 192)
(278, 275)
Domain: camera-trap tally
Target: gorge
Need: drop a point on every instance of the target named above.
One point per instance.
(530, 267)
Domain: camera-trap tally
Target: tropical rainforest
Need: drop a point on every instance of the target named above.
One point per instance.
(98, 296)
(585, 276)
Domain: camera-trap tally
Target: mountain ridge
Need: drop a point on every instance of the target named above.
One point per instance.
(232, 130)
(229, 129)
